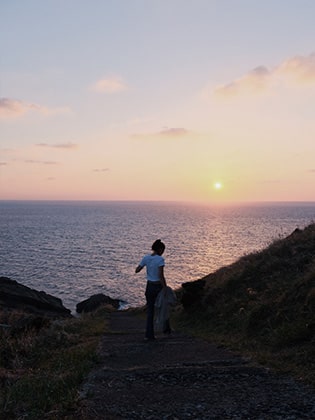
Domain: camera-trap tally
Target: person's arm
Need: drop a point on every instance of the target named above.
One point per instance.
(139, 268)
(162, 278)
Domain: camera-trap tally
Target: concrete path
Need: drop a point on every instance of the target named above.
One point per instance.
(182, 377)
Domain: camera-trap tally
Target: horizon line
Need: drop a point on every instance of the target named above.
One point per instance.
(216, 203)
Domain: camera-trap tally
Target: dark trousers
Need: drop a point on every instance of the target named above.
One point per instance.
(151, 292)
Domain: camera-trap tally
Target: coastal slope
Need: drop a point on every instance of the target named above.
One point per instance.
(264, 303)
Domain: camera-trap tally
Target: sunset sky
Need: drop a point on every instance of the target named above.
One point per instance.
(190, 100)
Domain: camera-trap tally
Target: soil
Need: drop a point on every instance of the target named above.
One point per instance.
(183, 377)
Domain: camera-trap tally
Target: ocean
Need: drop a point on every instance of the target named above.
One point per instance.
(73, 250)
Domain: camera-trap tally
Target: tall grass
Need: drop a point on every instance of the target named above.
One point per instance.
(263, 305)
(40, 371)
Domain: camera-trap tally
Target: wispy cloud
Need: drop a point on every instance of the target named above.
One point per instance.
(101, 170)
(3, 163)
(68, 145)
(166, 132)
(41, 162)
(110, 85)
(300, 69)
(173, 132)
(295, 71)
(13, 108)
(256, 81)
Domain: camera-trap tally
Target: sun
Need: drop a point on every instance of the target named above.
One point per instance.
(218, 185)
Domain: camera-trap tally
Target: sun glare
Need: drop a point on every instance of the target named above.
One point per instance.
(217, 186)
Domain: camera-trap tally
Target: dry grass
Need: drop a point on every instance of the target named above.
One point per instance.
(263, 305)
(41, 370)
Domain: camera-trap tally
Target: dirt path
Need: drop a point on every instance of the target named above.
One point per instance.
(181, 377)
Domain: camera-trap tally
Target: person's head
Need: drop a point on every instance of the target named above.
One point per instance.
(158, 247)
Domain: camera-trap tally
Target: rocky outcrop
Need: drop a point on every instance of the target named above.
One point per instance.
(95, 301)
(14, 295)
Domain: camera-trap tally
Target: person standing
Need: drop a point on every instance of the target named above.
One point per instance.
(156, 282)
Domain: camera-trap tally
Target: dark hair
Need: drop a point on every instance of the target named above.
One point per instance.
(158, 246)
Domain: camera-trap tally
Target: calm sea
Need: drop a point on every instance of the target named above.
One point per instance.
(73, 250)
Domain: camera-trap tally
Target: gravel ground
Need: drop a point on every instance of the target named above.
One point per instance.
(181, 377)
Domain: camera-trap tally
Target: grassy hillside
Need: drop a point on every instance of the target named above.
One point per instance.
(41, 371)
(263, 304)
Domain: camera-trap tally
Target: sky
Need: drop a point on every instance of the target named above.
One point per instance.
(183, 100)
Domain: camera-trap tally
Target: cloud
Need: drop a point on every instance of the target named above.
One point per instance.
(12, 108)
(173, 132)
(110, 85)
(256, 81)
(311, 171)
(3, 163)
(166, 132)
(298, 69)
(101, 170)
(41, 162)
(68, 145)
(293, 72)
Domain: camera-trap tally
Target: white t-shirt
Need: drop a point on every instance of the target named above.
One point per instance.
(152, 264)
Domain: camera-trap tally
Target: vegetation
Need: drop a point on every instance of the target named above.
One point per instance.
(262, 305)
(41, 370)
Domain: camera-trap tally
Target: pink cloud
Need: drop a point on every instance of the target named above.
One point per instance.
(58, 145)
(12, 108)
(41, 162)
(174, 132)
(295, 71)
(299, 69)
(166, 132)
(114, 84)
(256, 81)
(101, 170)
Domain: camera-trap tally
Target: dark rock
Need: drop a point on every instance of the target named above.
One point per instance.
(95, 302)
(192, 293)
(14, 295)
